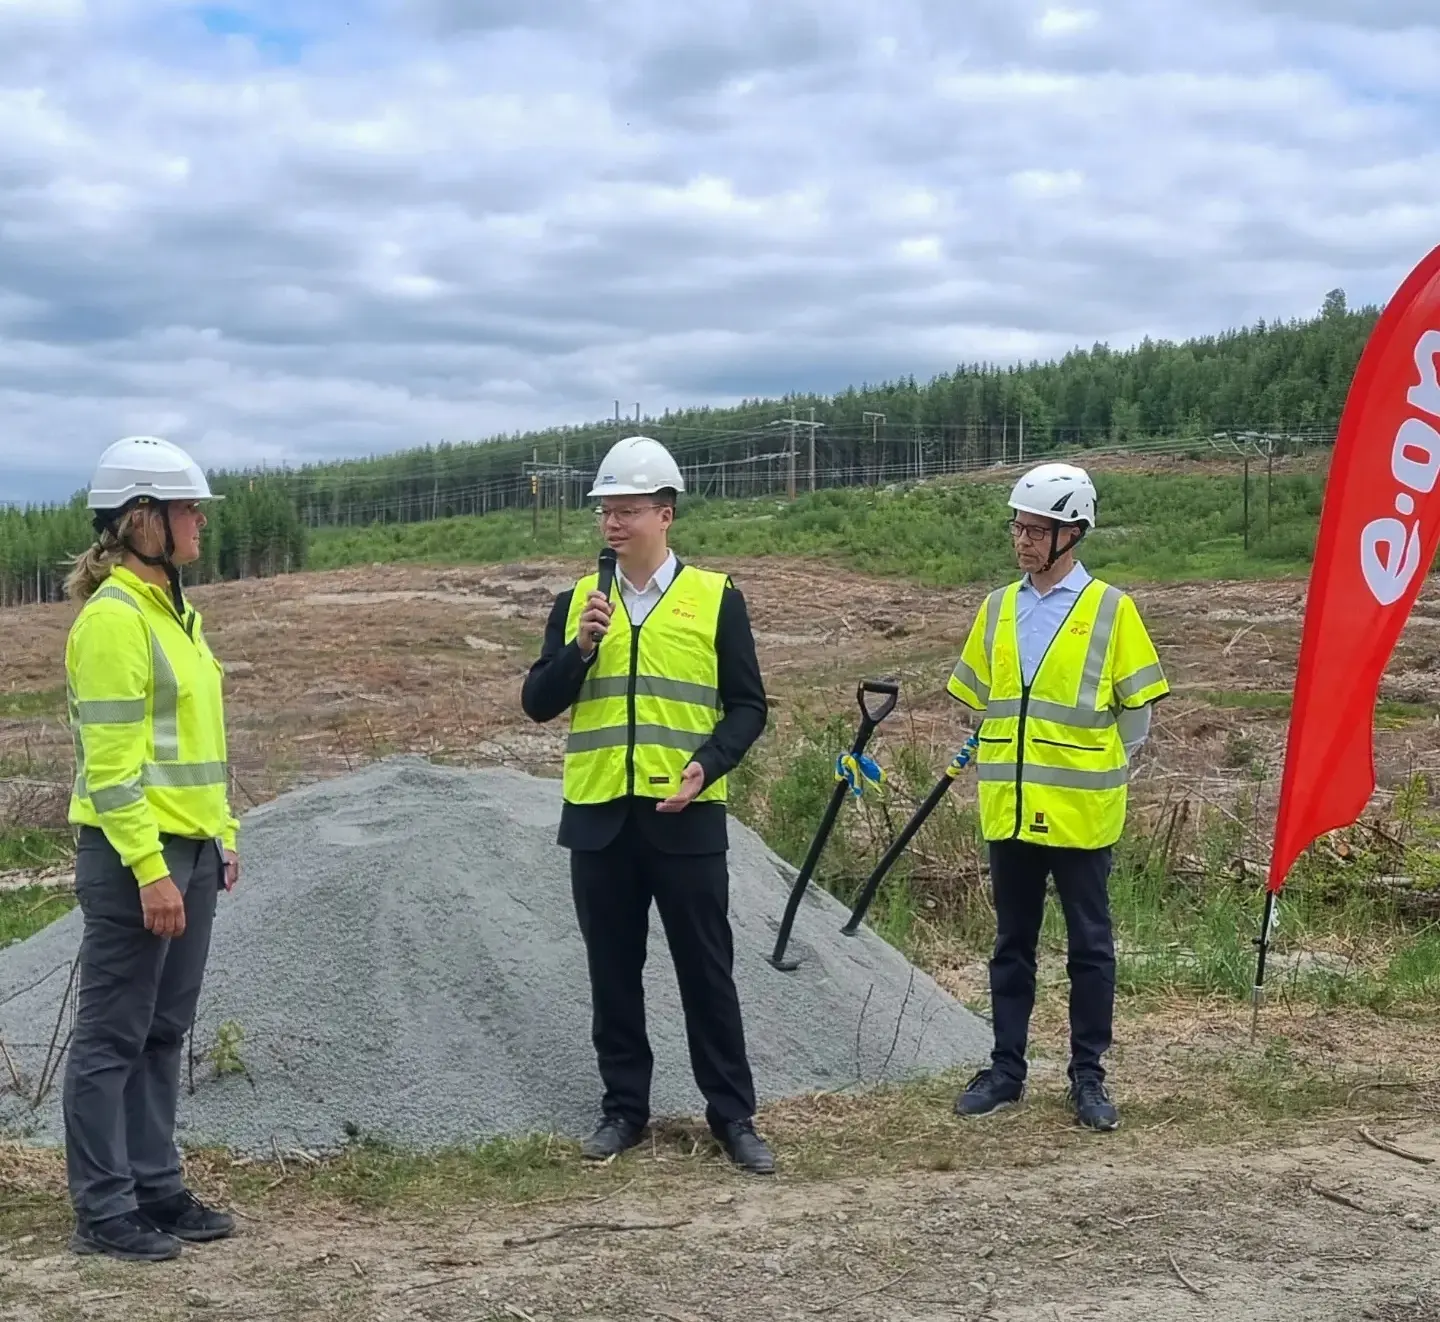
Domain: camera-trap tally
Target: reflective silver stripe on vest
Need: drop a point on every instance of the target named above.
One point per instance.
(1052, 711)
(166, 729)
(1060, 777)
(175, 776)
(115, 797)
(184, 775)
(1140, 680)
(993, 604)
(77, 739)
(967, 676)
(110, 711)
(617, 736)
(111, 593)
(650, 686)
(1089, 693)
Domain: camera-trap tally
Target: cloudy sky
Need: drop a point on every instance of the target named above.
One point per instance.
(291, 229)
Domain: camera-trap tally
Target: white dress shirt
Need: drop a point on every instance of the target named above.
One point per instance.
(640, 601)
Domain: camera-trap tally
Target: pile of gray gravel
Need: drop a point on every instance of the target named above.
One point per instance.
(403, 961)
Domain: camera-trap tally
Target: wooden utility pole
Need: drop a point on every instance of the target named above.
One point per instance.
(874, 419)
(792, 422)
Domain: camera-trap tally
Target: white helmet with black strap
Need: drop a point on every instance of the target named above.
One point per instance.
(1062, 492)
(145, 470)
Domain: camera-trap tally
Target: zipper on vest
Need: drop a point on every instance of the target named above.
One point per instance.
(630, 711)
(1025, 705)
(630, 681)
(1020, 758)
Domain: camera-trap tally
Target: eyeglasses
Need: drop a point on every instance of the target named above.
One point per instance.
(1029, 532)
(622, 513)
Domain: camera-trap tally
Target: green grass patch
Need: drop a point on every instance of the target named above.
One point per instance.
(1390, 713)
(33, 847)
(1152, 528)
(25, 911)
(1185, 912)
(1248, 700)
(18, 703)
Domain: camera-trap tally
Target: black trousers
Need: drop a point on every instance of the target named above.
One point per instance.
(136, 1002)
(1018, 874)
(613, 888)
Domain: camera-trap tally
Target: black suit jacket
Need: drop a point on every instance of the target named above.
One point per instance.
(553, 684)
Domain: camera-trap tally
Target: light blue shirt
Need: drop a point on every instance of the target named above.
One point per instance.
(1038, 617)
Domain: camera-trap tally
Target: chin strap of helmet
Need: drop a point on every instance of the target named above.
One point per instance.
(164, 561)
(1055, 551)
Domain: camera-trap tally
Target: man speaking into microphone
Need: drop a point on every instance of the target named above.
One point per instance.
(659, 673)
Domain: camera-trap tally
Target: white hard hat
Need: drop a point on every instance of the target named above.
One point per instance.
(1056, 491)
(636, 466)
(146, 466)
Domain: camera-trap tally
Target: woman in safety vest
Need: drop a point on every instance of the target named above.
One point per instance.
(156, 842)
(1064, 672)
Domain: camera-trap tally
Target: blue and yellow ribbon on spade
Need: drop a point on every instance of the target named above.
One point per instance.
(961, 760)
(858, 771)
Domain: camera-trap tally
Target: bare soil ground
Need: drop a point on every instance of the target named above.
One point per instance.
(1238, 1188)
(1313, 1226)
(331, 670)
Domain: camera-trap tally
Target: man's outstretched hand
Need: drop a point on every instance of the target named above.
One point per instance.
(692, 781)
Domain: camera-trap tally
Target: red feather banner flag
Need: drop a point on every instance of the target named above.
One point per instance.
(1379, 529)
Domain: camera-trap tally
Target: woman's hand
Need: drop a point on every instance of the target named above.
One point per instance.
(164, 908)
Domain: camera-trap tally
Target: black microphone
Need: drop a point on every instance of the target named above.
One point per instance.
(606, 563)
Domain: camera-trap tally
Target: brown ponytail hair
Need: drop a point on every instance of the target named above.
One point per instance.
(92, 566)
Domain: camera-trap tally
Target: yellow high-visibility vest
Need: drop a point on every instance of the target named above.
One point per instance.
(146, 705)
(1052, 767)
(651, 699)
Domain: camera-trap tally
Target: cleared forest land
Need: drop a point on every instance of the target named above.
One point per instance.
(1246, 1180)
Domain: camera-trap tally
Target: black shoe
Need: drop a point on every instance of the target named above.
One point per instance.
(746, 1148)
(126, 1237)
(611, 1138)
(987, 1093)
(1093, 1107)
(185, 1217)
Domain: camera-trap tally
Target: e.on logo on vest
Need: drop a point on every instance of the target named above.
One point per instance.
(1390, 549)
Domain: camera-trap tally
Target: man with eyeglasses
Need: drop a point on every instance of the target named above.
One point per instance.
(665, 698)
(1064, 673)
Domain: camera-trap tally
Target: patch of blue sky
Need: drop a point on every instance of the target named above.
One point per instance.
(265, 28)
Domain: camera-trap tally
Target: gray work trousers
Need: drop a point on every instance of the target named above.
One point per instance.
(135, 1004)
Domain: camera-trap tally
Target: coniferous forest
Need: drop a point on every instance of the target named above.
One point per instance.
(254, 531)
(1286, 378)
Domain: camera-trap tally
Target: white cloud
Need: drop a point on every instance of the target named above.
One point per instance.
(1048, 183)
(280, 235)
(1064, 22)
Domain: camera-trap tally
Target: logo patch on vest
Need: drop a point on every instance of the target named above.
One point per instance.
(1080, 629)
(1038, 825)
(660, 780)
